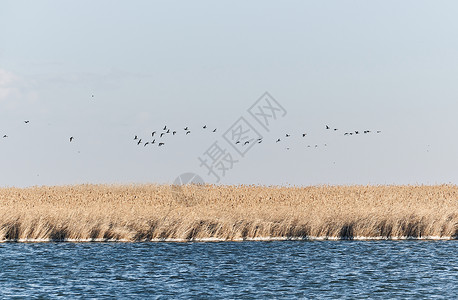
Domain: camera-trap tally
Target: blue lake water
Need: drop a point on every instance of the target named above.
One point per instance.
(231, 270)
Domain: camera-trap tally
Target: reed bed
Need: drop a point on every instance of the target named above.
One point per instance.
(226, 213)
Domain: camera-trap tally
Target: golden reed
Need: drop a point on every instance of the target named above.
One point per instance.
(210, 212)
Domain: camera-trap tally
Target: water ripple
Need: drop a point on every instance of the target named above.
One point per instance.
(231, 270)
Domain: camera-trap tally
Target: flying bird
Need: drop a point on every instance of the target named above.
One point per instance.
(356, 132)
(214, 130)
(154, 141)
(287, 135)
(277, 141)
(165, 127)
(161, 144)
(205, 126)
(238, 142)
(162, 134)
(71, 139)
(259, 141)
(186, 128)
(304, 134)
(5, 136)
(135, 138)
(152, 134)
(145, 144)
(139, 141)
(327, 127)
(188, 132)
(246, 143)
(168, 130)
(378, 131)
(174, 132)
(26, 121)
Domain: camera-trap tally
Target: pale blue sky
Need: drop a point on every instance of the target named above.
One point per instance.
(355, 65)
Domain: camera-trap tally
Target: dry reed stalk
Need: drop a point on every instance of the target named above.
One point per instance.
(158, 212)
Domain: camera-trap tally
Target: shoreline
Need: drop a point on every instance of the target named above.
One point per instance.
(241, 240)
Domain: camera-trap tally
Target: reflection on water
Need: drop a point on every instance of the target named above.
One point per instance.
(249, 270)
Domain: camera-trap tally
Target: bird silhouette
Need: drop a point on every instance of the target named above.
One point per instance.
(161, 144)
(154, 141)
(304, 134)
(277, 141)
(246, 143)
(327, 127)
(188, 132)
(174, 132)
(162, 134)
(168, 130)
(205, 126)
(287, 135)
(145, 144)
(378, 131)
(259, 141)
(26, 121)
(346, 133)
(165, 127)
(335, 129)
(5, 136)
(356, 132)
(238, 142)
(71, 139)
(214, 130)
(139, 142)
(186, 128)
(135, 138)
(152, 134)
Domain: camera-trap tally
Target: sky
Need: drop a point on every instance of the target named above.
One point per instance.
(105, 71)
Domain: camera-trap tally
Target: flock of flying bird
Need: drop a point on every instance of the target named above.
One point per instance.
(157, 136)
(164, 132)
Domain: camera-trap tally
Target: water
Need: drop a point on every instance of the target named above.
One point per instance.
(242, 270)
